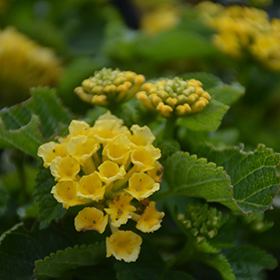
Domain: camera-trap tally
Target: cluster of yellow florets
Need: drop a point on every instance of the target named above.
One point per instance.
(112, 171)
(25, 64)
(110, 87)
(174, 97)
(244, 30)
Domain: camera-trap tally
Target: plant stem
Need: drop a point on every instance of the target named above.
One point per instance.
(169, 128)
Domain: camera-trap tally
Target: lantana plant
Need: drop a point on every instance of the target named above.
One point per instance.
(143, 185)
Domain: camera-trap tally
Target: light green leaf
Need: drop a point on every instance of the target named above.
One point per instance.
(62, 261)
(207, 119)
(227, 94)
(49, 208)
(175, 44)
(208, 80)
(220, 263)
(252, 174)
(248, 261)
(27, 125)
(195, 177)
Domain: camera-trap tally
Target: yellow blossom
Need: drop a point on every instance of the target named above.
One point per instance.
(109, 87)
(150, 219)
(65, 192)
(105, 130)
(78, 128)
(91, 218)
(156, 172)
(65, 168)
(120, 209)
(110, 172)
(124, 245)
(90, 187)
(174, 97)
(143, 157)
(141, 135)
(49, 151)
(118, 149)
(141, 186)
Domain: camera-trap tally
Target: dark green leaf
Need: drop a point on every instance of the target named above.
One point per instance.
(177, 275)
(195, 177)
(62, 261)
(252, 174)
(207, 119)
(220, 263)
(49, 208)
(4, 196)
(27, 125)
(149, 265)
(248, 261)
(19, 249)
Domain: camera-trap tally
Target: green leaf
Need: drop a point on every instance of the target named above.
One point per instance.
(208, 80)
(227, 94)
(62, 261)
(175, 44)
(49, 208)
(207, 119)
(20, 248)
(4, 197)
(248, 261)
(149, 265)
(220, 263)
(26, 126)
(252, 174)
(195, 177)
(177, 275)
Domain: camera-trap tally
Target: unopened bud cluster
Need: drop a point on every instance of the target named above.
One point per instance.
(174, 96)
(110, 87)
(202, 222)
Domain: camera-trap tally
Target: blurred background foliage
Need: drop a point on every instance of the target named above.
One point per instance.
(154, 38)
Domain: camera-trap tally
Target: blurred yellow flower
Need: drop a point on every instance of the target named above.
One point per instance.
(24, 64)
(99, 166)
(124, 245)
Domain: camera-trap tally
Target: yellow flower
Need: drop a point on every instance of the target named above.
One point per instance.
(49, 151)
(105, 130)
(90, 187)
(110, 172)
(118, 149)
(24, 64)
(141, 135)
(65, 168)
(124, 245)
(120, 209)
(174, 97)
(79, 128)
(141, 186)
(91, 218)
(65, 192)
(109, 87)
(82, 149)
(150, 219)
(144, 157)
(156, 172)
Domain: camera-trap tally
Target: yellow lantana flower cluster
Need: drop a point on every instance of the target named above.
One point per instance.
(24, 64)
(242, 30)
(113, 171)
(109, 87)
(174, 96)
